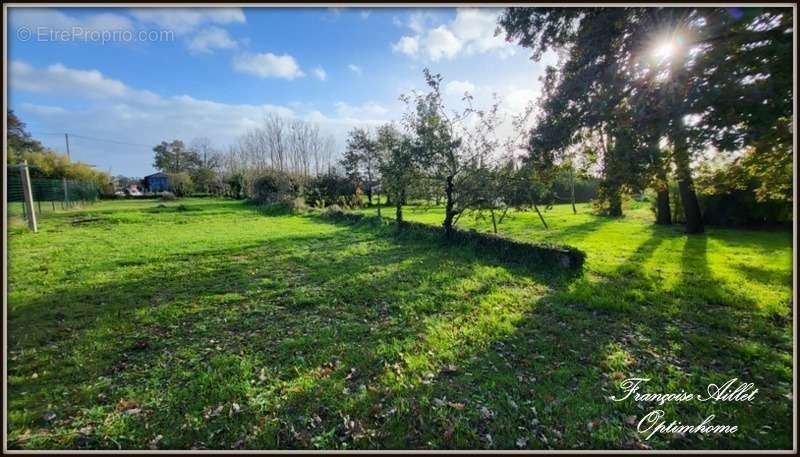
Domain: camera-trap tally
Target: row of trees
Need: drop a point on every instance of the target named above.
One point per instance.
(458, 157)
(644, 91)
(286, 145)
(289, 146)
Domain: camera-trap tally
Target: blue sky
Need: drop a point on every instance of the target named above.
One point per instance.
(216, 73)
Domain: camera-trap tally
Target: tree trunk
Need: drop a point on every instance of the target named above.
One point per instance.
(398, 208)
(541, 218)
(691, 207)
(494, 222)
(369, 195)
(663, 213)
(379, 204)
(615, 204)
(663, 216)
(449, 214)
(661, 184)
(572, 188)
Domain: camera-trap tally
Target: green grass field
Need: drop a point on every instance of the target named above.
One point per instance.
(213, 326)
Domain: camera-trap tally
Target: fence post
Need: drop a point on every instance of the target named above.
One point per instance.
(28, 192)
(66, 195)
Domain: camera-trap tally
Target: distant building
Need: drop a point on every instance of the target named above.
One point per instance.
(133, 190)
(157, 182)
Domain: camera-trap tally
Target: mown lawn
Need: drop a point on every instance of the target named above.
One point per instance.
(212, 325)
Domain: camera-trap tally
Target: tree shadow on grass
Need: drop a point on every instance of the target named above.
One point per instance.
(357, 339)
(163, 327)
(545, 383)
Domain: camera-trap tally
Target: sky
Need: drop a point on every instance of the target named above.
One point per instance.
(121, 80)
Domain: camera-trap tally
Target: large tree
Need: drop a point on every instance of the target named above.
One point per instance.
(19, 139)
(585, 102)
(174, 157)
(361, 159)
(742, 91)
(397, 165)
(716, 75)
(454, 150)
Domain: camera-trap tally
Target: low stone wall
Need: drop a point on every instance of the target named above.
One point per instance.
(560, 256)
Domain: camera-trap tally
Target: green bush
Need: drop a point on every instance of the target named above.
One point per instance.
(333, 189)
(295, 206)
(181, 184)
(273, 186)
(234, 186)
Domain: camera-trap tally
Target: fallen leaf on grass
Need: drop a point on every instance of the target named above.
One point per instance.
(449, 369)
(154, 442)
(128, 405)
(213, 412)
(486, 413)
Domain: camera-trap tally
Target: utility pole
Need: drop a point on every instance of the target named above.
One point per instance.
(66, 139)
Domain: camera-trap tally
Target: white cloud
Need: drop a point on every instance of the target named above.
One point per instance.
(418, 20)
(459, 87)
(45, 110)
(320, 73)
(111, 109)
(185, 20)
(367, 110)
(471, 32)
(441, 42)
(268, 65)
(58, 79)
(212, 38)
(355, 69)
(476, 28)
(365, 14)
(407, 45)
(516, 99)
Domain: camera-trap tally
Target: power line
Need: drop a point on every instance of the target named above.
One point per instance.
(84, 137)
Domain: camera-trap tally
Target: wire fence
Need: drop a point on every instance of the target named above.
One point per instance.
(49, 194)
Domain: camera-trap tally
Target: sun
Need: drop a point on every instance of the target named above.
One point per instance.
(664, 50)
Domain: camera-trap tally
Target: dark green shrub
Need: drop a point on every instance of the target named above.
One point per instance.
(181, 184)
(732, 208)
(273, 186)
(333, 189)
(234, 186)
